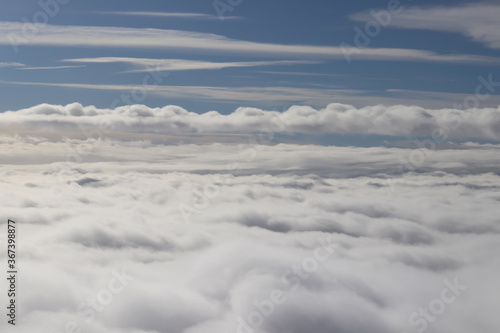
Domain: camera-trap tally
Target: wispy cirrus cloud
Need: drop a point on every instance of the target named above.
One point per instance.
(146, 64)
(298, 73)
(196, 16)
(277, 95)
(10, 64)
(218, 93)
(113, 37)
(49, 67)
(478, 21)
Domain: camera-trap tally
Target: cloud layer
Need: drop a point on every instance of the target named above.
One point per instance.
(399, 121)
(211, 234)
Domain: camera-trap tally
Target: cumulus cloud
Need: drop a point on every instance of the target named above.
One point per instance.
(479, 21)
(399, 121)
(206, 237)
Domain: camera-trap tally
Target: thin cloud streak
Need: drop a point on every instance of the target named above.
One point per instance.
(248, 94)
(10, 64)
(299, 73)
(169, 15)
(54, 67)
(181, 64)
(278, 94)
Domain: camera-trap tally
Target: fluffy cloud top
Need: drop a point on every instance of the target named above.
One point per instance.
(399, 121)
(211, 235)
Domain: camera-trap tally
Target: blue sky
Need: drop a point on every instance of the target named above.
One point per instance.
(266, 54)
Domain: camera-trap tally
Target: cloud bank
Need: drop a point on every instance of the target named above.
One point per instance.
(398, 121)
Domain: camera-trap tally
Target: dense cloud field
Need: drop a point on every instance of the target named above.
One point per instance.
(129, 236)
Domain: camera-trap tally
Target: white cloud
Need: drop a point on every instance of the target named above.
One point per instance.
(300, 73)
(49, 67)
(398, 121)
(272, 95)
(198, 16)
(479, 21)
(181, 64)
(14, 33)
(119, 208)
(10, 64)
